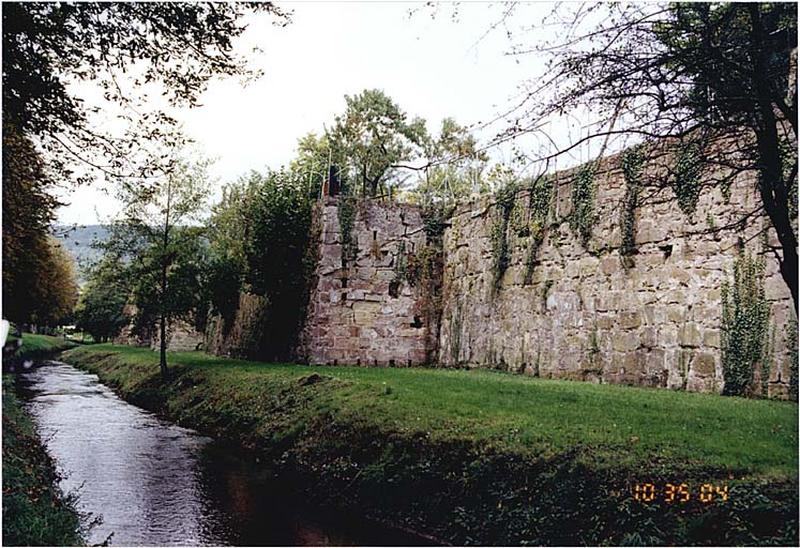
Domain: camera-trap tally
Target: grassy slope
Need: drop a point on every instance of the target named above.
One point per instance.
(494, 437)
(40, 345)
(34, 510)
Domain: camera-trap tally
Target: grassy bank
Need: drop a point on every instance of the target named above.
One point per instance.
(35, 513)
(482, 457)
(39, 346)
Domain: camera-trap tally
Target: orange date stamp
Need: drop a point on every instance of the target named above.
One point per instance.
(706, 493)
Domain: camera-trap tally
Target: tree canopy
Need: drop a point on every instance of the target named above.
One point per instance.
(123, 47)
(50, 133)
(374, 135)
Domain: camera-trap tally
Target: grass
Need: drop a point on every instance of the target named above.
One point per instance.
(476, 456)
(35, 513)
(523, 413)
(40, 345)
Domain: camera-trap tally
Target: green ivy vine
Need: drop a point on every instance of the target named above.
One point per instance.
(791, 345)
(541, 196)
(583, 216)
(346, 209)
(504, 200)
(632, 165)
(401, 263)
(686, 174)
(745, 325)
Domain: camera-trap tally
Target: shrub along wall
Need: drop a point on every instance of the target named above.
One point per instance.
(610, 272)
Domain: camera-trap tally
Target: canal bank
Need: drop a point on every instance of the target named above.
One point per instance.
(477, 457)
(148, 482)
(35, 511)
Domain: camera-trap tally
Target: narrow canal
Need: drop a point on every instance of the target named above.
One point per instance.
(154, 483)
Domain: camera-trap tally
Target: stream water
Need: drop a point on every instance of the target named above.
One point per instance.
(154, 483)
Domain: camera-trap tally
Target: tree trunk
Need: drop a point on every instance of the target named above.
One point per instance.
(772, 187)
(163, 315)
(163, 349)
(165, 260)
(776, 206)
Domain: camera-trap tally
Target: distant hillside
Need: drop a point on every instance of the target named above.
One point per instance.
(78, 242)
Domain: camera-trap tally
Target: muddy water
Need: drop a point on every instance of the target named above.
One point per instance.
(154, 483)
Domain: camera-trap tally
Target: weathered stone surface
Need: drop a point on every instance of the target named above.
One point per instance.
(653, 319)
(704, 364)
(380, 319)
(181, 335)
(689, 335)
(239, 336)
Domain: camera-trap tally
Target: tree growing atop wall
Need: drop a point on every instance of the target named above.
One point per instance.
(259, 241)
(454, 167)
(376, 136)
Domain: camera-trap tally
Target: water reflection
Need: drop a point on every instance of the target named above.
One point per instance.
(155, 483)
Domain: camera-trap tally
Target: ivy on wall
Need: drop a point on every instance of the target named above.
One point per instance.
(745, 325)
(632, 165)
(504, 201)
(686, 174)
(791, 346)
(583, 215)
(541, 196)
(346, 209)
(400, 269)
(424, 270)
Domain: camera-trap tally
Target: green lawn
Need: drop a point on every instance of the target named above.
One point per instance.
(622, 425)
(36, 345)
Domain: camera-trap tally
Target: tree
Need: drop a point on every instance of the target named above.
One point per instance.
(717, 80)
(375, 136)
(179, 46)
(165, 254)
(276, 250)
(38, 275)
(56, 291)
(28, 210)
(259, 240)
(454, 166)
(101, 307)
(51, 134)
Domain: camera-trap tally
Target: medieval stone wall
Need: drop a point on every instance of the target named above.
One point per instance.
(365, 313)
(181, 335)
(587, 316)
(652, 319)
(238, 336)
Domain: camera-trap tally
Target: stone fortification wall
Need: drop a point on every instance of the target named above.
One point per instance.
(238, 336)
(578, 311)
(181, 335)
(651, 318)
(366, 312)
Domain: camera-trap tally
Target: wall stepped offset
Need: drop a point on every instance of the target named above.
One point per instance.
(576, 311)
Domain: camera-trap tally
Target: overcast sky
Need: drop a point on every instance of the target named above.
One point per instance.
(432, 67)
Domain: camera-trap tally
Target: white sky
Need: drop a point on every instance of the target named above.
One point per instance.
(431, 67)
